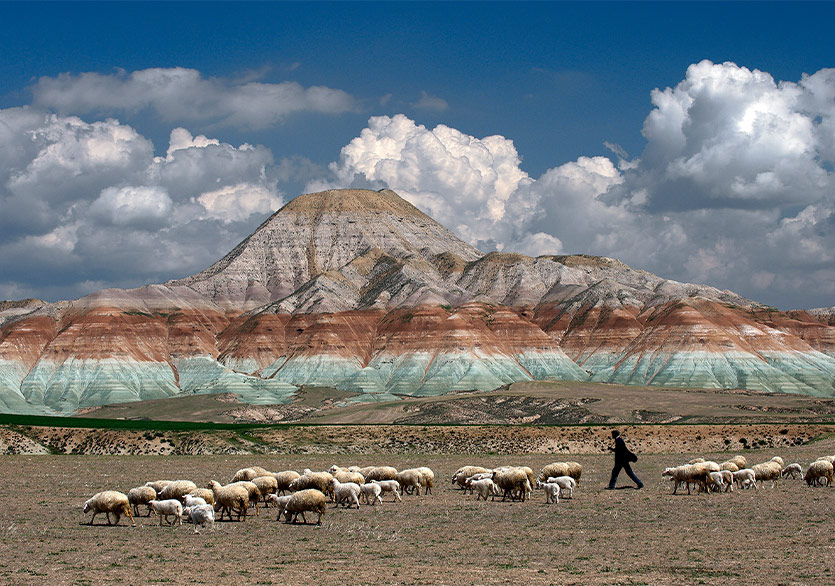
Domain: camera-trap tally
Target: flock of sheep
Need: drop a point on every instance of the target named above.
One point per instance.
(295, 494)
(722, 477)
(175, 500)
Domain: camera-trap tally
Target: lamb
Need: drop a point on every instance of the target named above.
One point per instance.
(318, 480)
(205, 494)
(372, 491)
(109, 501)
(483, 488)
(720, 480)
(381, 473)
(793, 470)
(167, 507)
(745, 478)
(480, 476)
(768, 471)
(514, 482)
(464, 472)
(280, 502)
(565, 483)
(141, 495)
(176, 490)
(200, 515)
(817, 470)
(552, 491)
(252, 491)
(158, 485)
(283, 480)
(572, 469)
(345, 493)
(266, 485)
(688, 473)
(192, 501)
(304, 501)
(230, 497)
(391, 486)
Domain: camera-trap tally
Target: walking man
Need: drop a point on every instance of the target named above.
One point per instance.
(623, 457)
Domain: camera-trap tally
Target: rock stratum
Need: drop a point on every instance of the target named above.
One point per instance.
(360, 291)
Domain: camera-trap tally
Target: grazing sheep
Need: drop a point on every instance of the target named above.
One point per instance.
(793, 470)
(176, 490)
(284, 479)
(319, 480)
(687, 474)
(280, 502)
(740, 461)
(109, 501)
(230, 497)
(565, 482)
(745, 478)
(696, 461)
(205, 494)
(381, 473)
(552, 491)
(428, 479)
(192, 501)
(141, 495)
(266, 485)
(252, 491)
(372, 491)
(345, 493)
(464, 472)
(200, 515)
(729, 466)
(483, 488)
(410, 481)
(572, 469)
(817, 470)
(158, 485)
(167, 507)
(307, 500)
(830, 459)
(720, 480)
(391, 486)
(768, 471)
(514, 482)
(249, 474)
(348, 476)
(779, 460)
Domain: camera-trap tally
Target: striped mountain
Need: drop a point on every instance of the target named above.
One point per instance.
(359, 290)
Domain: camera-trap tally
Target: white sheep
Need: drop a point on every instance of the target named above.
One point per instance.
(284, 479)
(109, 501)
(391, 486)
(380, 473)
(168, 507)
(158, 485)
(176, 490)
(266, 485)
(372, 491)
(565, 482)
(464, 472)
(141, 495)
(252, 491)
(745, 478)
(552, 491)
(205, 494)
(572, 469)
(200, 515)
(722, 480)
(483, 488)
(768, 470)
(280, 502)
(410, 481)
(192, 501)
(308, 500)
(793, 470)
(345, 493)
(513, 482)
(687, 474)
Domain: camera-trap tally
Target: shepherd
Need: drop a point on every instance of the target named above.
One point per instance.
(623, 458)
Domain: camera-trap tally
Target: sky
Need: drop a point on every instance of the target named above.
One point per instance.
(140, 142)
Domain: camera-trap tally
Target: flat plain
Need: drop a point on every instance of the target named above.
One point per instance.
(779, 535)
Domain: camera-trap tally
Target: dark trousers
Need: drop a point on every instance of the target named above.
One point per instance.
(626, 468)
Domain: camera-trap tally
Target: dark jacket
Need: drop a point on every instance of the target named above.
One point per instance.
(622, 453)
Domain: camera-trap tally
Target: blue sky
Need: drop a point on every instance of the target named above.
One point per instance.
(554, 82)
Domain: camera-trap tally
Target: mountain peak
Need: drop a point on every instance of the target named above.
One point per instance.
(335, 201)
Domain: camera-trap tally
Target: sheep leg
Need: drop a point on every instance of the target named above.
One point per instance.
(93, 517)
(108, 518)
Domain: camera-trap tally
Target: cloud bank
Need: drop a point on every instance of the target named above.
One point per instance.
(185, 96)
(733, 189)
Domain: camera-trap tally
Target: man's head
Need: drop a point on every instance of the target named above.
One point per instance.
(615, 433)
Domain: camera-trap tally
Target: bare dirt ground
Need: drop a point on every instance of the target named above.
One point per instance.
(775, 536)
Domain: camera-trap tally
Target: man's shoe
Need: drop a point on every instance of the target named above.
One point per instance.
(610, 488)
(640, 486)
